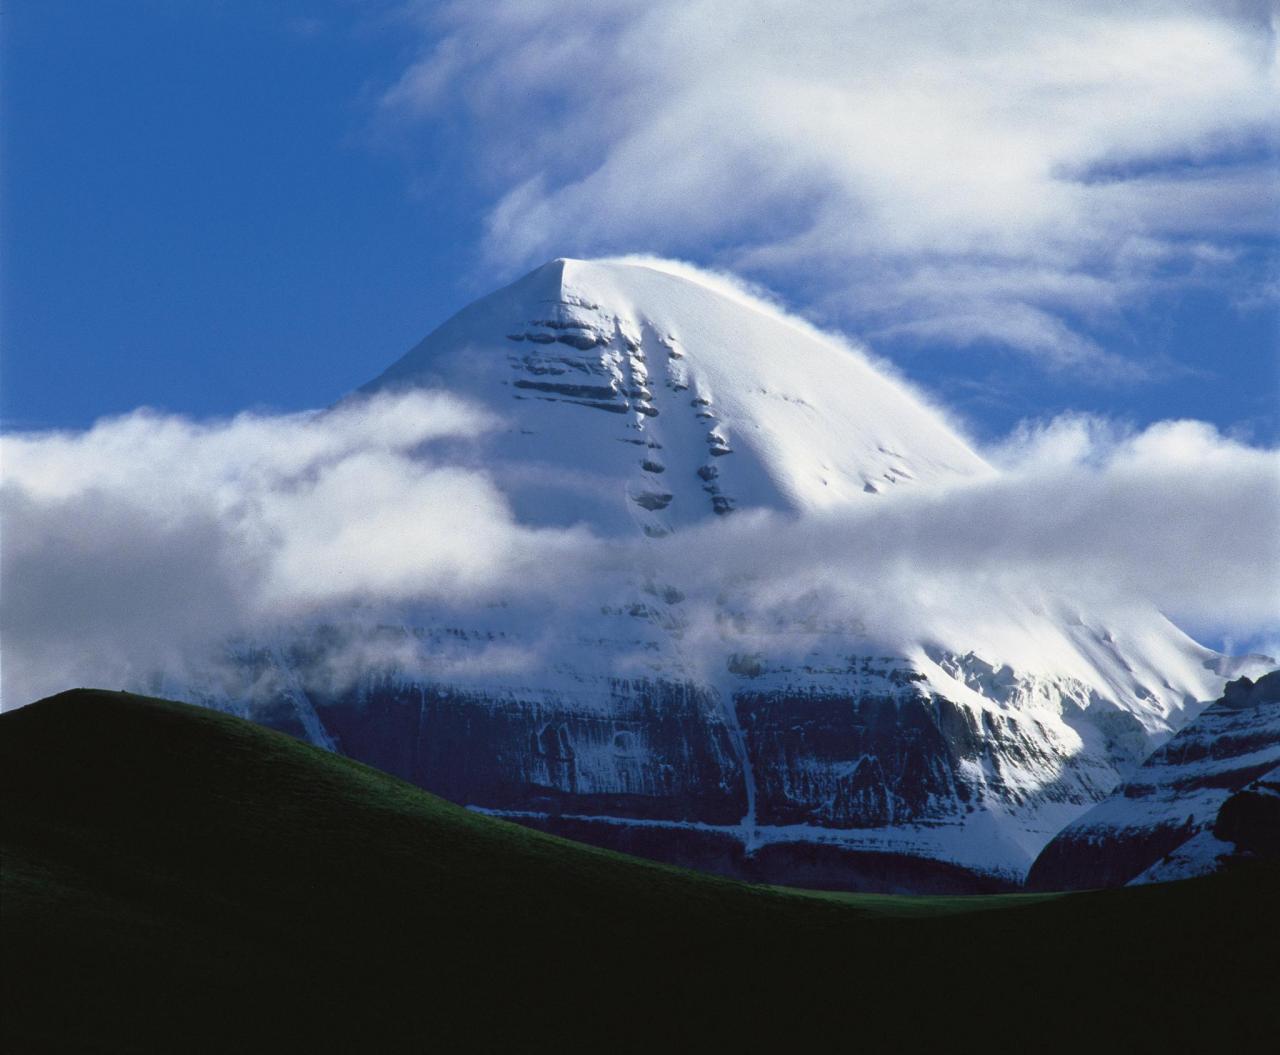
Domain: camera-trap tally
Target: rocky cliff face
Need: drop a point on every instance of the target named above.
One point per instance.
(861, 774)
(1209, 793)
(655, 750)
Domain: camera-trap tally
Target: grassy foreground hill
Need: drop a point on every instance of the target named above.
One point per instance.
(178, 880)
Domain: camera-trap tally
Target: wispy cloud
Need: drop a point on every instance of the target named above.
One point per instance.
(990, 172)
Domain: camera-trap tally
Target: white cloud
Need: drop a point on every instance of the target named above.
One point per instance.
(148, 540)
(1175, 515)
(988, 171)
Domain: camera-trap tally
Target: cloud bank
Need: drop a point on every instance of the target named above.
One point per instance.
(1176, 515)
(149, 540)
(988, 172)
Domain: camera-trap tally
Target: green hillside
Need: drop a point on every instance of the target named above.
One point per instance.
(179, 880)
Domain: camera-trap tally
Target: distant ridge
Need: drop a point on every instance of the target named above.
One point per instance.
(1173, 818)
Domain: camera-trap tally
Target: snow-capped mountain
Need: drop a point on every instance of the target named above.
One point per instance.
(1188, 805)
(639, 402)
(639, 399)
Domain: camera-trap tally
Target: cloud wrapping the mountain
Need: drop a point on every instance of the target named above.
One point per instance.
(986, 172)
(149, 540)
(1082, 512)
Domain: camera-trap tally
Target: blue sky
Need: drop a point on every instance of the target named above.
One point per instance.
(209, 207)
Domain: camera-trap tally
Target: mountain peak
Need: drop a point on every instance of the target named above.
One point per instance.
(645, 394)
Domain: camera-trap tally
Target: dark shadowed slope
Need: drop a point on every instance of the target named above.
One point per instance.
(176, 879)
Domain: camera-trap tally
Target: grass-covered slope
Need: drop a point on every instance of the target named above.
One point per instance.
(177, 880)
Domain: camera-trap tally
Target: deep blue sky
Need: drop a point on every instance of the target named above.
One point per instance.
(196, 217)
(202, 215)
